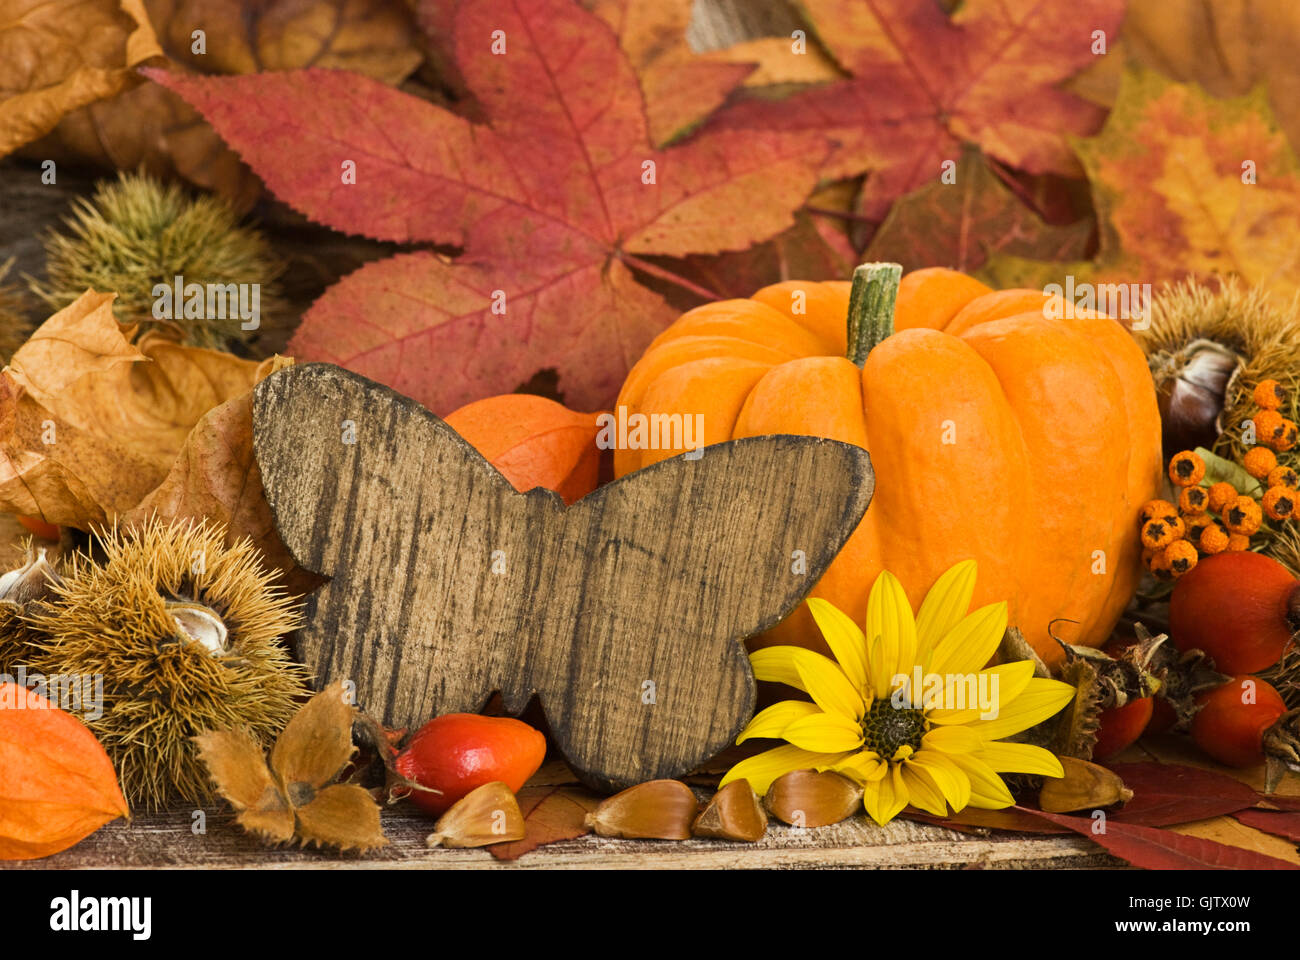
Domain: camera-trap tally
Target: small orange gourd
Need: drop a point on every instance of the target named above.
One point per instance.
(534, 442)
(1003, 425)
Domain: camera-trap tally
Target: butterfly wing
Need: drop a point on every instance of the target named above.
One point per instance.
(660, 576)
(427, 606)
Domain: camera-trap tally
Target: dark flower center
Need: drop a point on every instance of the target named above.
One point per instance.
(886, 727)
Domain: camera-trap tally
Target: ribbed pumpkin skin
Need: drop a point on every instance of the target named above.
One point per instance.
(1052, 428)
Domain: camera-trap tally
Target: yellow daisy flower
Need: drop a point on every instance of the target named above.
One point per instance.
(914, 715)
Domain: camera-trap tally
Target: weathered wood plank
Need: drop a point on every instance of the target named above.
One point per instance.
(166, 840)
(625, 613)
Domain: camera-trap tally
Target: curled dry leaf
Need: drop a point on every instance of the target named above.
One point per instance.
(57, 785)
(655, 810)
(372, 37)
(806, 798)
(486, 815)
(1085, 786)
(58, 55)
(294, 796)
(215, 476)
(733, 813)
(90, 423)
(149, 125)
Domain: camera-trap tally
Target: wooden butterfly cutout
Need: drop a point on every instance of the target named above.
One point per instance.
(625, 612)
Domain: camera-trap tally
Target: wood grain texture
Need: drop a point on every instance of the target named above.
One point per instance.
(624, 613)
(167, 841)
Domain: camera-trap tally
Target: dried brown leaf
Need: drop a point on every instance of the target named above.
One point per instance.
(58, 55)
(551, 814)
(215, 476)
(150, 126)
(90, 422)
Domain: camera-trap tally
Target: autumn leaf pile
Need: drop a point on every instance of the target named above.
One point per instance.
(539, 187)
(562, 178)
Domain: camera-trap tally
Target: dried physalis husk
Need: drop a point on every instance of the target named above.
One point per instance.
(734, 813)
(1085, 786)
(486, 815)
(656, 810)
(806, 798)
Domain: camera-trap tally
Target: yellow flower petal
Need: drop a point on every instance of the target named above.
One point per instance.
(969, 646)
(952, 740)
(844, 637)
(825, 733)
(943, 608)
(953, 717)
(922, 792)
(949, 778)
(776, 664)
(827, 685)
(883, 799)
(1021, 758)
(889, 616)
(987, 791)
(760, 770)
(1012, 679)
(863, 767)
(1041, 699)
(772, 721)
(988, 690)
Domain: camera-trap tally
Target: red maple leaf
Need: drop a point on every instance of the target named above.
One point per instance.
(555, 199)
(923, 83)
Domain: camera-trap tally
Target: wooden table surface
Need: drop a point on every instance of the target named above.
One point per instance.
(166, 841)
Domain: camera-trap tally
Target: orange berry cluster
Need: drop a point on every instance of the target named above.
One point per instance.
(1218, 517)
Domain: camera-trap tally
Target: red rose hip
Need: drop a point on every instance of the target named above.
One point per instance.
(459, 752)
(1241, 608)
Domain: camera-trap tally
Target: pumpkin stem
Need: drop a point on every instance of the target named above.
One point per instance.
(871, 307)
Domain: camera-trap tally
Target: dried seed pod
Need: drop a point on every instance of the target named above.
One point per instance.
(734, 813)
(1085, 786)
(20, 589)
(806, 798)
(486, 815)
(32, 581)
(657, 810)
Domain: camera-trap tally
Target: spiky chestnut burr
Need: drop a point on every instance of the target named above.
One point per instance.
(188, 635)
(15, 320)
(137, 232)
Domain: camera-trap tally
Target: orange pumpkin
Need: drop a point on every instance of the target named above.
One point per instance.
(996, 433)
(534, 442)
